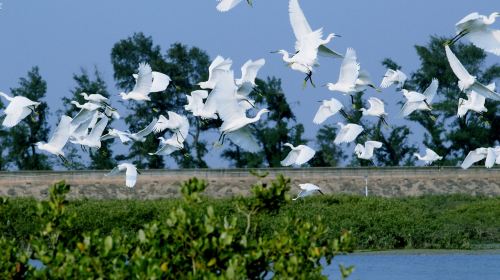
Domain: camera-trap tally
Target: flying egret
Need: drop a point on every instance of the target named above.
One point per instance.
(93, 139)
(327, 109)
(197, 106)
(474, 102)
(218, 65)
(308, 43)
(89, 106)
(249, 72)
(175, 122)
(348, 133)
(491, 154)
(377, 109)
(298, 155)
(366, 151)
(466, 81)
(112, 113)
(307, 190)
(95, 98)
(130, 173)
(168, 146)
(19, 108)
(160, 81)
(58, 140)
(419, 101)
(391, 77)
(476, 28)
(429, 157)
(349, 72)
(143, 84)
(141, 135)
(115, 133)
(226, 5)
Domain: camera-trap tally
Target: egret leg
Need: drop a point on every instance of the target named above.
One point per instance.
(352, 100)
(384, 122)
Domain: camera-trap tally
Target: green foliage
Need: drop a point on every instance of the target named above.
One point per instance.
(327, 154)
(34, 128)
(194, 239)
(186, 67)
(271, 198)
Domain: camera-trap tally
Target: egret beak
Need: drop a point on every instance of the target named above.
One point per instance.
(274, 51)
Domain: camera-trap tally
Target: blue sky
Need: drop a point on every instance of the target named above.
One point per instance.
(62, 36)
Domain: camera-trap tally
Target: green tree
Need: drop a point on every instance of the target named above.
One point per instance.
(103, 157)
(34, 128)
(447, 134)
(328, 154)
(186, 67)
(272, 132)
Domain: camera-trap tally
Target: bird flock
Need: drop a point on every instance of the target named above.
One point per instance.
(227, 98)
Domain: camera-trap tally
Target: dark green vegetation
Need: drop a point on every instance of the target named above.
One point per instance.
(446, 134)
(188, 238)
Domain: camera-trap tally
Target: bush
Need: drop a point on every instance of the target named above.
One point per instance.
(193, 241)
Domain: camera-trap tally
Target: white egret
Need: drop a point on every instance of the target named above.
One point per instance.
(226, 5)
(491, 154)
(429, 157)
(175, 122)
(307, 190)
(130, 173)
(115, 133)
(19, 108)
(377, 109)
(327, 109)
(308, 43)
(218, 65)
(143, 84)
(141, 135)
(366, 151)
(249, 72)
(419, 101)
(160, 81)
(168, 146)
(298, 155)
(466, 81)
(476, 28)
(89, 106)
(93, 139)
(474, 102)
(112, 113)
(348, 133)
(197, 107)
(95, 98)
(58, 140)
(391, 77)
(348, 75)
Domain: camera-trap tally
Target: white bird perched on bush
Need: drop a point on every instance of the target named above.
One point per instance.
(218, 65)
(143, 84)
(307, 190)
(466, 81)
(175, 122)
(429, 157)
(58, 140)
(492, 156)
(391, 77)
(309, 43)
(419, 101)
(348, 133)
(366, 151)
(327, 109)
(474, 102)
(476, 28)
(226, 5)
(168, 146)
(19, 108)
(298, 155)
(130, 173)
(377, 109)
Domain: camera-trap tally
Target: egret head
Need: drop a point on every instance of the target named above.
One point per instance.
(358, 150)
(124, 95)
(85, 95)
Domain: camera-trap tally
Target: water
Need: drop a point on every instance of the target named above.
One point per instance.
(420, 265)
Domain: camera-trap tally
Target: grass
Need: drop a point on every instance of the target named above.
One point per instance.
(427, 222)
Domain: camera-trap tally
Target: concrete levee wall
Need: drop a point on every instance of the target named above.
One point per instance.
(153, 184)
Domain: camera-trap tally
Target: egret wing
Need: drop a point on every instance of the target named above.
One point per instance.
(486, 39)
(298, 20)
(96, 133)
(327, 52)
(226, 5)
(291, 158)
(130, 176)
(349, 70)
(114, 171)
(144, 80)
(146, 131)
(160, 82)
(244, 139)
(61, 134)
(485, 91)
(431, 90)
(456, 65)
(388, 79)
(472, 157)
(306, 154)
